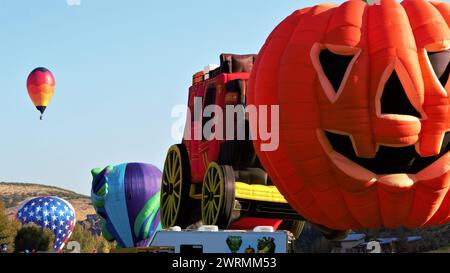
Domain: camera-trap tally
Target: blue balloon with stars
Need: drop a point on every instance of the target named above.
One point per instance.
(52, 213)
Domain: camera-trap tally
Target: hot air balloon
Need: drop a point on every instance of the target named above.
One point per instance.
(127, 199)
(41, 87)
(52, 213)
(363, 97)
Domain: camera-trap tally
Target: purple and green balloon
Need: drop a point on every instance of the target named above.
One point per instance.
(127, 199)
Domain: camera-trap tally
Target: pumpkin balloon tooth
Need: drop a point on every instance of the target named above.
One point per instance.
(398, 182)
(395, 130)
(430, 144)
(364, 146)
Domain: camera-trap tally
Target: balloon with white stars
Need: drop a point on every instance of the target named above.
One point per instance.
(52, 213)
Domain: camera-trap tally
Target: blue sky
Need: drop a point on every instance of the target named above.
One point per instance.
(120, 68)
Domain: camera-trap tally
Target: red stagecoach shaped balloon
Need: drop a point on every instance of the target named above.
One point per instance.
(41, 87)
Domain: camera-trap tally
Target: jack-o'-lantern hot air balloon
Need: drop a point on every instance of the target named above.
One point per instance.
(363, 93)
(41, 87)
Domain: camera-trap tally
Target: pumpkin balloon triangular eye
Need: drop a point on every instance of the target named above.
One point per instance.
(440, 61)
(334, 66)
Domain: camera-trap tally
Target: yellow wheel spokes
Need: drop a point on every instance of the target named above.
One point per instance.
(207, 184)
(177, 195)
(205, 189)
(217, 185)
(172, 183)
(166, 197)
(213, 191)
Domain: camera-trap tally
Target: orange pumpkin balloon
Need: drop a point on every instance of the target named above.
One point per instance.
(363, 92)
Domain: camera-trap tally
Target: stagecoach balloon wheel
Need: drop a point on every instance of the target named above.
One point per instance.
(294, 226)
(175, 188)
(218, 195)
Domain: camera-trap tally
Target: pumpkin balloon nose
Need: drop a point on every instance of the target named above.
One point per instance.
(394, 99)
(398, 121)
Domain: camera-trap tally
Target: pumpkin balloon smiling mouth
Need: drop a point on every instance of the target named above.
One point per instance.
(401, 166)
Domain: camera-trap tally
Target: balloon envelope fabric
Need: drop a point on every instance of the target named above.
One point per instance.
(49, 212)
(127, 198)
(364, 112)
(41, 87)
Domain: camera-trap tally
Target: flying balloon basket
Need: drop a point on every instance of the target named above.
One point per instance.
(222, 182)
(41, 88)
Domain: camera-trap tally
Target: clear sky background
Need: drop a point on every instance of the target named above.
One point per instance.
(120, 68)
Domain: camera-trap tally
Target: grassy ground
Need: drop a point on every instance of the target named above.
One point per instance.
(441, 250)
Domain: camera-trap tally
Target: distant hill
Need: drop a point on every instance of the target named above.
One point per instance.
(13, 194)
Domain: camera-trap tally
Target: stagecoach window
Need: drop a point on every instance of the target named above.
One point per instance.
(196, 113)
(210, 96)
(210, 99)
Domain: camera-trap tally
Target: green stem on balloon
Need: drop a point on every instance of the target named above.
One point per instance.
(369, 2)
